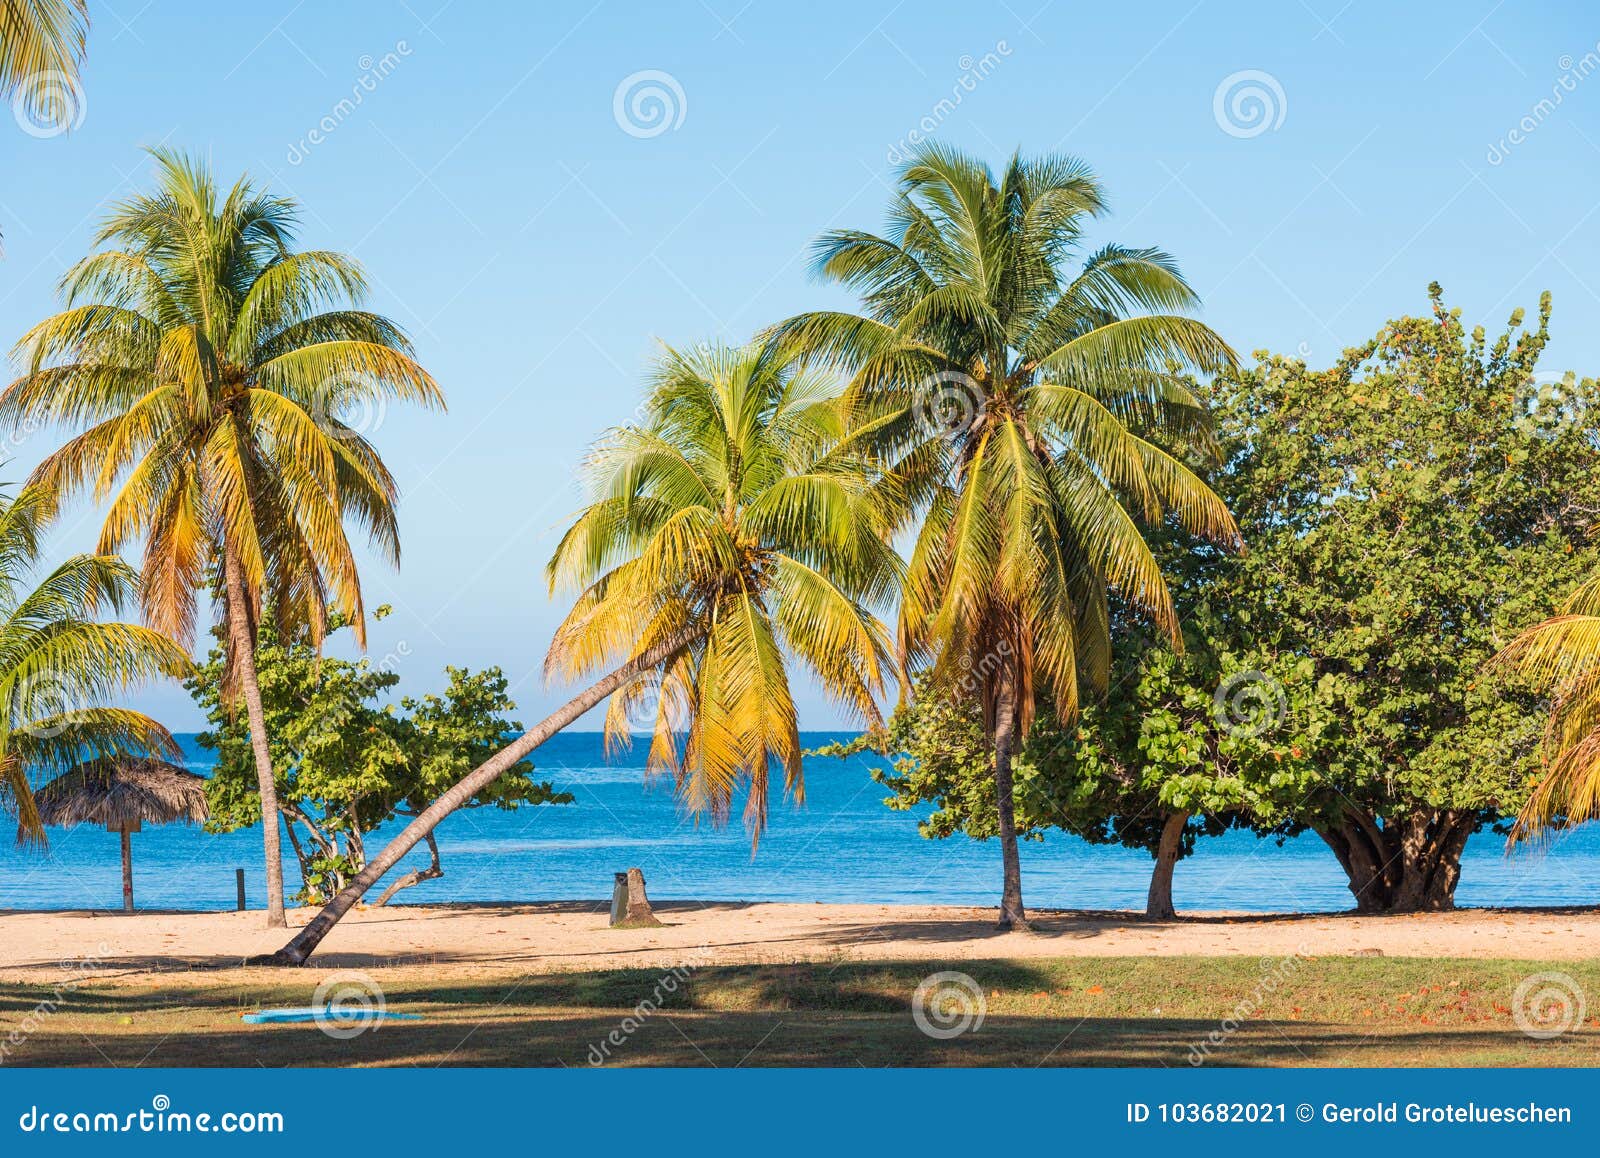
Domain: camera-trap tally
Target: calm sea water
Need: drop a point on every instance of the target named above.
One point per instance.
(843, 845)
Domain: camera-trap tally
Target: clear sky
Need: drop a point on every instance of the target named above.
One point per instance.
(537, 232)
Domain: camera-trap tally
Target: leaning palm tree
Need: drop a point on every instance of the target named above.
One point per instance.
(1028, 418)
(41, 50)
(1562, 656)
(60, 664)
(733, 527)
(213, 372)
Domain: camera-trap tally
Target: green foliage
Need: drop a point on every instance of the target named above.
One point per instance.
(1406, 512)
(1159, 742)
(736, 519)
(1409, 510)
(343, 764)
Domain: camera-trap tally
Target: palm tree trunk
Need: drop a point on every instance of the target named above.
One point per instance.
(306, 941)
(127, 871)
(1012, 915)
(1158, 903)
(243, 646)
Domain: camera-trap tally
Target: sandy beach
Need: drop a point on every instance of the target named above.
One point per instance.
(488, 940)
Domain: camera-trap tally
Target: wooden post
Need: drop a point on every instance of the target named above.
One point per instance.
(127, 870)
(619, 898)
(238, 879)
(639, 914)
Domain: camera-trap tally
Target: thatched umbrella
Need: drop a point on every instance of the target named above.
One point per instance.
(121, 793)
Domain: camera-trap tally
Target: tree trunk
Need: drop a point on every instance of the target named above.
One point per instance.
(1012, 914)
(1407, 863)
(637, 914)
(242, 644)
(432, 873)
(1159, 901)
(305, 942)
(299, 853)
(127, 871)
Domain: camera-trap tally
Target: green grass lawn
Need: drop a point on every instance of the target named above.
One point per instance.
(1114, 1011)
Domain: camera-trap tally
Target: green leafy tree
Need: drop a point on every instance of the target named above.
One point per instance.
(344, 765)
(1022, 392)
(1408, 511)
(1181, 746)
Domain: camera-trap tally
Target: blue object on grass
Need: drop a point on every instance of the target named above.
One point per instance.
(310, 1013)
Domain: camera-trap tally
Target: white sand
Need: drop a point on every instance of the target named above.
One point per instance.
(501, 939)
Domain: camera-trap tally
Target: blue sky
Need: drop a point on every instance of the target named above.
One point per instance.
(537, 241)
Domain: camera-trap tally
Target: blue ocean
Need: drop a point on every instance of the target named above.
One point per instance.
(843, 845)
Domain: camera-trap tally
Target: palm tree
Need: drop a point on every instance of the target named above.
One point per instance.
(1562, 655)
(59, 663)
(732, 527)
(1027, 417)
(41, 41)
(212, 370)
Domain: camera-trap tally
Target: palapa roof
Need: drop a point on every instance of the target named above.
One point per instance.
(115, 791)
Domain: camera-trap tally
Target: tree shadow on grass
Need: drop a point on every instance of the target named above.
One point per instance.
(676, 1037)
